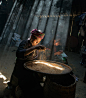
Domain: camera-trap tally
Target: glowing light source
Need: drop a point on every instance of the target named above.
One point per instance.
(50, 65)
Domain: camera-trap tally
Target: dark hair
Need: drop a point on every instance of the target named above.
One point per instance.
(33, 38)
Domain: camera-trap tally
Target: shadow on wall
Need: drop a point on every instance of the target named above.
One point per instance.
(66, 7)
(5, 8)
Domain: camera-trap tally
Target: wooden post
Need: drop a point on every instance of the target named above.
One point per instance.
(35, 21)
(30, 19)
(51, 26)
(10, 15)
(10, 25)
(45, 15)
(13, 28)
(23, 20)
(63, 25)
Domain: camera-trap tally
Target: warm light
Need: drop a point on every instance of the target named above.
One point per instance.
(49, 65)
(4, 78)
(5, 82)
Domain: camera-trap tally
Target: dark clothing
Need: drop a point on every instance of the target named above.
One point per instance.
(57, 48)
(27, 80)
(22, 49)
(21, 59)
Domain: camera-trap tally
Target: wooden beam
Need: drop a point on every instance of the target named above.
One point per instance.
(30, 19)
(23, 19)
(10, 25)
(63, 25)
(35, 21)
(43, 19)
(13, 28)
(10, 15)
(51, 26)
(45, 15)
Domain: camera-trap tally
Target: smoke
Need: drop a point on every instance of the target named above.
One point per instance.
(42, 55)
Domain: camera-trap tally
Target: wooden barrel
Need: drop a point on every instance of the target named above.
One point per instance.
(54, 90)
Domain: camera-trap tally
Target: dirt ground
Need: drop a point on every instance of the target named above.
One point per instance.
(7, 61)
(74, 61)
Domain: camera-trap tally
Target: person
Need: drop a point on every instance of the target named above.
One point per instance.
(58, 49)
(57, 52)
(27, 80)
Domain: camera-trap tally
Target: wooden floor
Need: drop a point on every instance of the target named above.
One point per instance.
(53, 17)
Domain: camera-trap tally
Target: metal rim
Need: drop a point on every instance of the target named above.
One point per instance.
(48, 73)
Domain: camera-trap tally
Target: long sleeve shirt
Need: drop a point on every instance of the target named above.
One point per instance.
(25, 44)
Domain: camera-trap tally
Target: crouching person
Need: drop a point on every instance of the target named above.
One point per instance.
(22, 78)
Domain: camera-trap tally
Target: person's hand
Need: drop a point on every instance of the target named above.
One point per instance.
(40, 47)
(59, 52)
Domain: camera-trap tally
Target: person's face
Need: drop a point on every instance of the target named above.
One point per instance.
(56, 43)
(36, 42)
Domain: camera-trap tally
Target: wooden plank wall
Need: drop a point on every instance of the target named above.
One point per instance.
(46, 15)
(63, 25)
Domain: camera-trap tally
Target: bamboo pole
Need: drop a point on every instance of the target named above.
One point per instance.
(30, 19)
(23, 20)
(10, 24)
(62, 26)
(35, 21)
(5, 27)
(51, 26)
(45, 15)
(14, 27)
